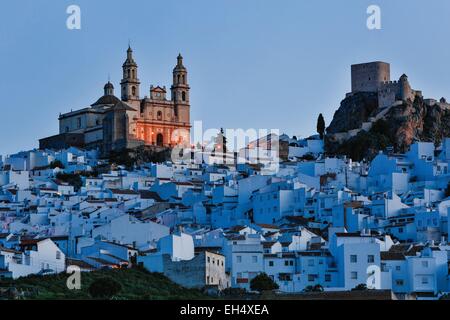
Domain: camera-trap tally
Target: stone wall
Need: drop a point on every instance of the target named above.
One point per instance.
(206, 269)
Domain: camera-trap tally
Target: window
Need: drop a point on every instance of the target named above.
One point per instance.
(399, 282)
(311, 263)
(78, 123)
(400, 230)
(328, 278)
(397, 268)
(425, 264)
(58, 255)
(209, 259)
(239, 259)
(270, 263)
(291, 263)
(183, 96)
(286, 262)
(424, 280)
(354, 275)
(254, 259)
(370, 258)
(353, 258)
(311, 277)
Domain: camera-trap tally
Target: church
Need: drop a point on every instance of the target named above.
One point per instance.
(113, 124)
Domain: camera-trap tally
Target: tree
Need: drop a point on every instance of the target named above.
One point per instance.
(316, 288)
(360, 287)
(321, 126)
(447, 192)
(56, 164)
(263, 282)
(104, 288)
(72, 179)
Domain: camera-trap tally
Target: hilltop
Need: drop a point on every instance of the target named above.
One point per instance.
(137, 284)
(397, 126)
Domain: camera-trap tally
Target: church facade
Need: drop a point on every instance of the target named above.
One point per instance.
(112, 124)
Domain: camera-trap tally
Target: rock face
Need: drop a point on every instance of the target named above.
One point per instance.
(398, 128)
(353, 112)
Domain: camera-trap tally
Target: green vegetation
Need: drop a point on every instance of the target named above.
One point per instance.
(321, 126)
(104, 288)
(129, 284)
(263, 282)
(131, 157)
(56, 164)
(72, 179)
(360, 287)
(447, 192)
(367, 144)
(316, 288)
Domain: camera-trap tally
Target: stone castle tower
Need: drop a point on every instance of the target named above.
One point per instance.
(376, 77)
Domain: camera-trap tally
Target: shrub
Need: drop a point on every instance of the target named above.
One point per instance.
(234, 292)
(104, 288)
(72, 179)
(316, 288)
(56, 164)
(263, 282)
(360, 287)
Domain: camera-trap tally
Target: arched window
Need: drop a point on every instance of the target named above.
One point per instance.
(183, 79)
(134, 73)
(178, 79)
(183, 96)
(133, 90)
(159, 115)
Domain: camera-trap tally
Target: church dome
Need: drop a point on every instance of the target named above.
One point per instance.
(106, 100)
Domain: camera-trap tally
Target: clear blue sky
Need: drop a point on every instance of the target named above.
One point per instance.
(252, 63)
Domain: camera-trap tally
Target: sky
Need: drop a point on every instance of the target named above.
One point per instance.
(252, 63)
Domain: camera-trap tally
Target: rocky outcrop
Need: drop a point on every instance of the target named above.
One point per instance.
(353, 111)
(398, 128)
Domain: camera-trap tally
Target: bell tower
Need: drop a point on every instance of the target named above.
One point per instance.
(180, 92)
(130, 82)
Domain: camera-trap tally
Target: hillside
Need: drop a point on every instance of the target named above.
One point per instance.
(398, 128)
(136, 284)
